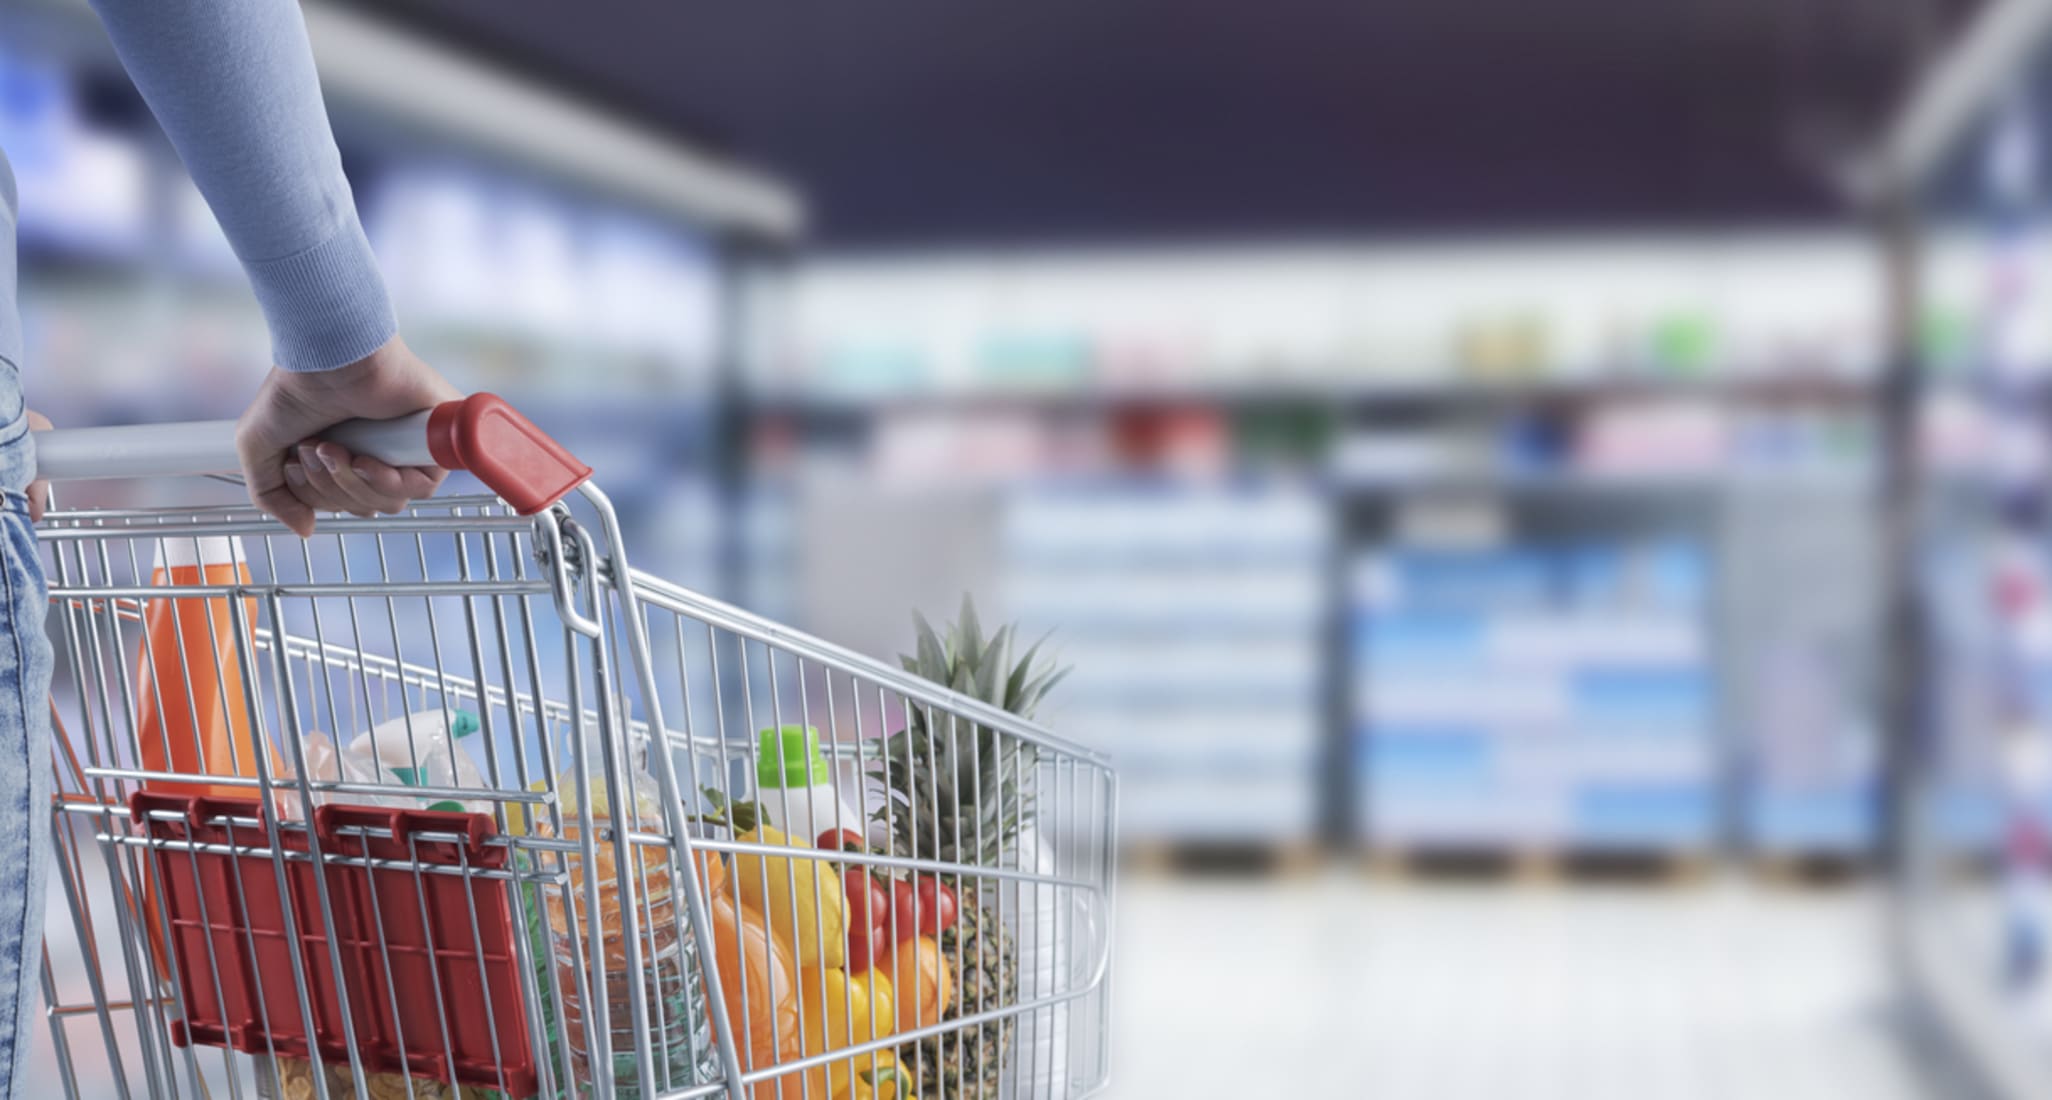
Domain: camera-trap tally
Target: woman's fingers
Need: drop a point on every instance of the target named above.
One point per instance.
(349, 472)
(327, 477)
(394, 487)
(324, 486)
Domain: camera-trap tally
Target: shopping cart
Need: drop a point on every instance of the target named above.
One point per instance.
(448, 803)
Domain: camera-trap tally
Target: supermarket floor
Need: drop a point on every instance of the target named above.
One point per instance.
(1335, 987)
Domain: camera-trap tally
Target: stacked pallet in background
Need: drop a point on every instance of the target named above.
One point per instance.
(1535, 698)
(1195, 617)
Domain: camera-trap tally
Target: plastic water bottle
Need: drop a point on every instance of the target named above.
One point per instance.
(678, 1030)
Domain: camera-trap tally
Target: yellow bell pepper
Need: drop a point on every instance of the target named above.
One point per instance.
(883, 1080)
(800, 894)
(853, 1010)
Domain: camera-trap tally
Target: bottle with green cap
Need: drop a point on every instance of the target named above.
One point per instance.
(423, 749)
(794, 785)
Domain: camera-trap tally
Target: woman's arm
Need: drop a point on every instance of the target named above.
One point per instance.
(233, 84)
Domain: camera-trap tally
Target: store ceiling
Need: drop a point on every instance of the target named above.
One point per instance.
(919, 122)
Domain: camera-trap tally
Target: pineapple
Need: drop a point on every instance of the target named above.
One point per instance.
(967, 781)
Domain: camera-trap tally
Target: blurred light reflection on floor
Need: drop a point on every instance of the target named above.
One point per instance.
(1336, 988)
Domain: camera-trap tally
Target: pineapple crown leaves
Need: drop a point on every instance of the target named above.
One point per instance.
(941, 761)
(982, 669)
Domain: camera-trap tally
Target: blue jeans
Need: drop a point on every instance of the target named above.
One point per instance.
(25, 656)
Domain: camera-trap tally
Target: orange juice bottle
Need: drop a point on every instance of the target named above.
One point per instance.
(193, 719)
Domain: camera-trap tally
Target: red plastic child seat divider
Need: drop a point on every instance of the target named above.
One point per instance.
(228, 933)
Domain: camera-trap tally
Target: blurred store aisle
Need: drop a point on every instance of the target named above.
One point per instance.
(1336, 988)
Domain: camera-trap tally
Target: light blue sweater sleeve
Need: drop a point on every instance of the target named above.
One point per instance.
(233, 84)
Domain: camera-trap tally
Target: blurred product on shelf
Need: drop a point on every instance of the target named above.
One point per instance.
(1643, 437)
(1994, 663)
(1597, 732)
(1665, 308)
(1706, 440)
(1194, 613)
(498, 262)
(88, 188)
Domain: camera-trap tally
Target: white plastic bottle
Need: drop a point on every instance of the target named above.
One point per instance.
(423, 749)
(795, 788)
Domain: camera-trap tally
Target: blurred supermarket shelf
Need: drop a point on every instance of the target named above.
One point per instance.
(1263, 689)
(1347, 388)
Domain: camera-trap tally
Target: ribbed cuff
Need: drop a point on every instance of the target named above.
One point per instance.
(326, 306)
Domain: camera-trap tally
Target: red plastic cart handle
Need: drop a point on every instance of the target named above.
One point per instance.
(518, 461)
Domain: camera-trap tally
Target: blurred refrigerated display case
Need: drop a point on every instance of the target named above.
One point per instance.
(1966, 543)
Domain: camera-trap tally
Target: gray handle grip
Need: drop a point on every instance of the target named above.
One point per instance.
(206, 447)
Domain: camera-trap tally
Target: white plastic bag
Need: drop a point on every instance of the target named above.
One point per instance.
(323, 765)
(423, 749)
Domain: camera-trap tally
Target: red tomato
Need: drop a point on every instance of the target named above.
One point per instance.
(864, 948)
(869, 915)
(869, 904)
(904, 910)
(937, 906)
(839, 840)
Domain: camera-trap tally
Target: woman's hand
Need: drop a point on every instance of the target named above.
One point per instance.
(292, 476)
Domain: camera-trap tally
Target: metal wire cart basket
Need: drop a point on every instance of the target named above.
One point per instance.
(458, 803)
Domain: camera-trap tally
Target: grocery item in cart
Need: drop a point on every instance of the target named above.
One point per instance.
(926, 983)
(655, 902)
(842, 1011)
(422, 749)
(678, 1034)
(794, 787)
(759, 985)
(879, 1077)
(191, 713)
(293, 1079)
(323, 764)
(800, 895)
(967, 793)
(677, 1030)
